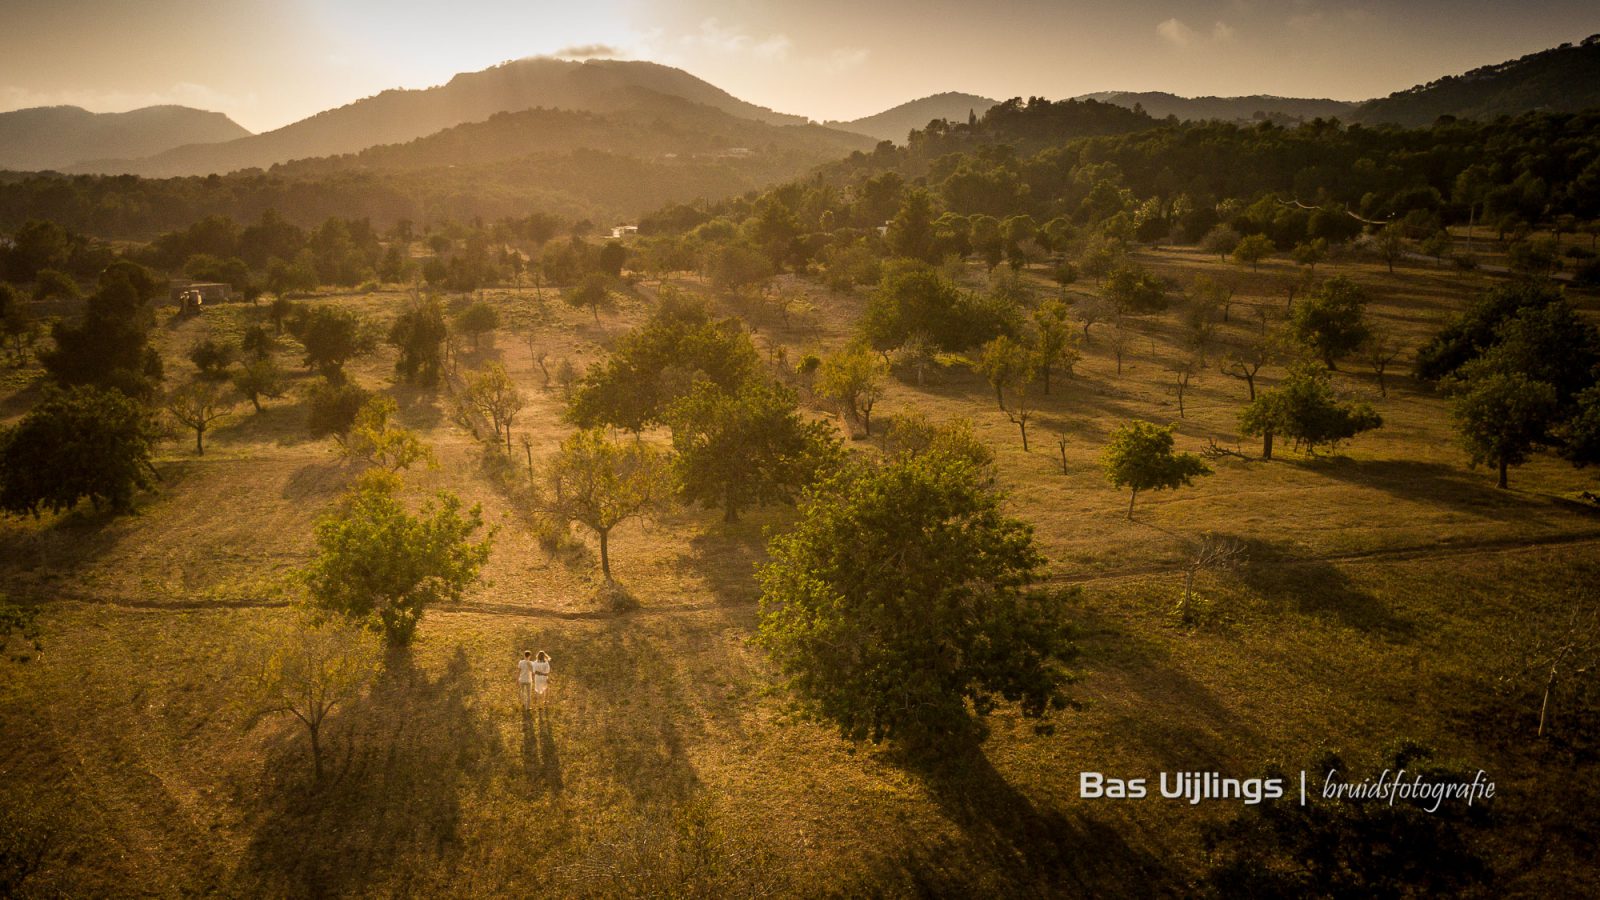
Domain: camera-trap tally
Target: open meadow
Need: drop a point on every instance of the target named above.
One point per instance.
(1386, 592)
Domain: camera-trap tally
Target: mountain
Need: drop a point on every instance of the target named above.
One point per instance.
(894, 124)
(1228, 109)
(653, 127)
(397, 116)
(57, 137)
(1564, 79)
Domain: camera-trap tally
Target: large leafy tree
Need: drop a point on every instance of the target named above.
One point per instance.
(419, 333)
(108, 346)
(382, 565)
(913, 298)
(1305, 409)
(1502, 416)
(903, 605)
(599, 484)
(1331, 322)
(331, 336)
(1140, 457)
(654, 365)
(853, 379)
(746, 447)
(83, 443)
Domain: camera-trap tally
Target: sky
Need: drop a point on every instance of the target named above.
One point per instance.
(267, 63)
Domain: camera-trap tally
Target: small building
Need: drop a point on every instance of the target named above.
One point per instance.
(208, 291)
(622, 231)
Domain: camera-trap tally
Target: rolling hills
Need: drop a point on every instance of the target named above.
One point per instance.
(59, 137)
(892, 124)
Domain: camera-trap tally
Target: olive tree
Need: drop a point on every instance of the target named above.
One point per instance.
(493, 395)
(1305, 409)
(198, 406)
(84, 443)
(853, 379)
(1502, 416)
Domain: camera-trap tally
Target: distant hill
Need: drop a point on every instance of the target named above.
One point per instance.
(1565, 79)
(1227, 109)
(654, 127)
(894, 124)
(58, 137)
(397, 116)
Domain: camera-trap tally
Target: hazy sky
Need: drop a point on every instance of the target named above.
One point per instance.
(269, 62)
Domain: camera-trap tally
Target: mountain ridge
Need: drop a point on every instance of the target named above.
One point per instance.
(60, 137)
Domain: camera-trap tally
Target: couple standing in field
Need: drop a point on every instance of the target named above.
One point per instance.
(533, 678)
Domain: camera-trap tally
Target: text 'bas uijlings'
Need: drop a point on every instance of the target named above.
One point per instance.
(1191, 786)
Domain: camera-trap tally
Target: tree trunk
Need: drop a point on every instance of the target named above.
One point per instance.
(999, 398)
(1502, 473)
(1132, 498)
(1024, 427)
(730, 512)
(1047, 379)
(200, 447)
(1251, 381)
(1544, 707)
(255, 400)
(316, 750)
(1266, 445)
(605, 552)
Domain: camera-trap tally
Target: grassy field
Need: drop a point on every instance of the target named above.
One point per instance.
(1386, 591)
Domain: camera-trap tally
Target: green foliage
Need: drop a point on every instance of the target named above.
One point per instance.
(736, 268)
(1304, 408)
(1140, 457)
(376, 439)
(901, 607)
(212, 357)
(478, 319)
(419, 334)
(53, 285)
(333, 407)
(82, 443)
(1331, 320)
(381, 565)
(109, 346)
(594, 291)
(655, 364)
(1501, 415)
(197, 406)
(853, 379)
(912, 297)
(910, 233)
(600, 483)
(1252, 249)
(1579, 435)
(746, 447)
(259, 378)
(494, 396)
(331, 335)
(1135, 290)
(1529, 328)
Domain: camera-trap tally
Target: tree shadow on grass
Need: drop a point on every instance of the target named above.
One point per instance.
(1316, 587)
(726, 555)
(1009, 846)
(389, 807)
(1436, 484)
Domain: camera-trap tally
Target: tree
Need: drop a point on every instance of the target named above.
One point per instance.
(1019, 408)
(375, 438)
(910, 232)
(50, 284)
(902, 605)
(1436, 245)
(383, 566)
(493, 395)
(1252, 250)
(476, 320)
(746, 447)
(1005, 363)
(17, 328)
(611, 258)
(1380, 350)
(331, 336)
(1135, 290)
(1055, 338)
(198, 406)
(333, 407)
(594, 291)
(109, 346)
(1244, 359)
(212, 358)
(1310, 253)
(1389, 245)
(852, 378)
(600, 484)
(1502, 416)
(1331, 322)
(419, 333)
(1303, 407)
(1140, 457)
(918, 353)
(1578, 438)
(259, 378)
(1220, 240)
(1184, 372)
(310, 669)
(81, 443)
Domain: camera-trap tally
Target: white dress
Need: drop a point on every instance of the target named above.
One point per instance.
(541, 675)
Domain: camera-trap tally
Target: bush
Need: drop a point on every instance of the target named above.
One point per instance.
(334, 407)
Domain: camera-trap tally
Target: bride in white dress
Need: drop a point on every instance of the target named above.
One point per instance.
(541, 676)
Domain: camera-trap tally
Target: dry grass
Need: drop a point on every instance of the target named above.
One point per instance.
(1381, 590)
